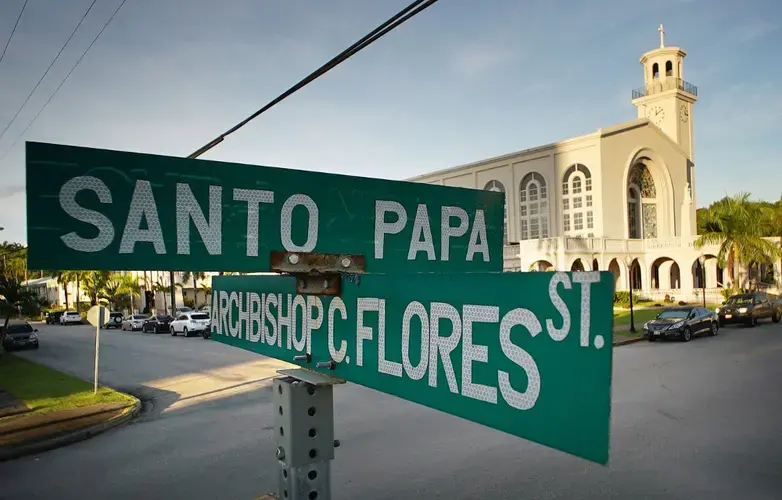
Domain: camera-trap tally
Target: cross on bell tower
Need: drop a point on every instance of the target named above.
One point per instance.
(666, 100)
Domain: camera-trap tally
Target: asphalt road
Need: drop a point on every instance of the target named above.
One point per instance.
(701, 420)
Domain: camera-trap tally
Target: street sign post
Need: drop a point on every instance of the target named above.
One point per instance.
(525, 353)
(108, 210)
(393, 285)
(97, 316)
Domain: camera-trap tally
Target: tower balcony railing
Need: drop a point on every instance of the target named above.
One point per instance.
(664, 84)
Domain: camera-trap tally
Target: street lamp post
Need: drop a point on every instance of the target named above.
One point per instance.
(630, 281)
(702, 260)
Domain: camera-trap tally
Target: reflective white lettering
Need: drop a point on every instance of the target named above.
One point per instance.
(101, 222)
(253, 197)
(382, 228)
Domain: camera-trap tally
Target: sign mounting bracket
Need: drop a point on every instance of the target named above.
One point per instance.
(317, 273)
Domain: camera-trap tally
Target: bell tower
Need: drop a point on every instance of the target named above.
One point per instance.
(666, 99)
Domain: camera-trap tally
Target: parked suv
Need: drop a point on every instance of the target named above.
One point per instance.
(70, 318)
(115, 320)
(190, 322)
(748, 308)
(53, 318)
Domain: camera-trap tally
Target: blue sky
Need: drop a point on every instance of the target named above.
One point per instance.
(463, 81)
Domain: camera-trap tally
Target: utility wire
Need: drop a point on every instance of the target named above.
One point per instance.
(13, 31)
(47, 70)
(411, 10)
(64, 80)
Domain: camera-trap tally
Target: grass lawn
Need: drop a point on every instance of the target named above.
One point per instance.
(43, 389)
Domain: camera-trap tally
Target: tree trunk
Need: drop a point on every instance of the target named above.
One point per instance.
(65, 287)
(195, 292)
(78, 289)
(173, 292)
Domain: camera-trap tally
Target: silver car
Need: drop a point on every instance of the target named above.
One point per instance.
(134, 322)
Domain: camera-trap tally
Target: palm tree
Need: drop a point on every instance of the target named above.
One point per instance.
(94, 282)
(163, 289)
(207, 291)
(113, 290)
(738, 226)
(195, 276)
(131, 287)
(64, 278)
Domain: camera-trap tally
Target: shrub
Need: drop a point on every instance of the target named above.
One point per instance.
(622, 298)
(682, 303)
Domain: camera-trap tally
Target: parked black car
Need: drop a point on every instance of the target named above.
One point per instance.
(748, 309)
(682, 323)
(53, 318)
(19, 335)
(157, 324)
(115, 320)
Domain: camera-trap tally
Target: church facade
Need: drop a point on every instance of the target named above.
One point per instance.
(620, 199)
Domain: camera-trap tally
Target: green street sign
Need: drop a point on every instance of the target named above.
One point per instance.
(111, 210)
(525, 353)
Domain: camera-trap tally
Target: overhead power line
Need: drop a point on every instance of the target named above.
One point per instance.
(13, 31)
(411, 10)
(47, 70)
(64, 80)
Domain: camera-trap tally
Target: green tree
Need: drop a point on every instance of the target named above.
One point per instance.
(738, 226)
(132, 288)
(163, 289)
(94, 283)
(195, 276)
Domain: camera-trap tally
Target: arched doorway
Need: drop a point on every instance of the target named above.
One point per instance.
(595, 266)
(636, 276)
(577, 266)
(541, 266)
(665, 274)
(709, 274)
(613, 266)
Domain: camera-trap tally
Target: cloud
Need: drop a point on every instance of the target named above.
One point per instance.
(753, 30)
(478, 58)
(8, 191)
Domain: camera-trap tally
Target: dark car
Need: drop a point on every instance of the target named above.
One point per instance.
(748, 309)
(157, 324)
(19, 335)
(53, 318)
(115, 320)
(207, 333)
(681, 323)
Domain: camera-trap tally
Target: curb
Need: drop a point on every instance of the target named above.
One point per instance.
(629, 341)
(73, 437)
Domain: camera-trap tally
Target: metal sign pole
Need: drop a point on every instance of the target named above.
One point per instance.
(97, 350)
(304, 413)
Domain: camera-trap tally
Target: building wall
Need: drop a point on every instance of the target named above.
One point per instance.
(621, 148)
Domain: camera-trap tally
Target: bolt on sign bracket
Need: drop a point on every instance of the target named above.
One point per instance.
(317, 273)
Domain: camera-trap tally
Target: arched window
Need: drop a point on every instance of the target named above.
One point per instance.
(655, 70)
(641, 202)
(533, 207)
(668, 68)
(498, 187)
(578, 217)
(633, 209)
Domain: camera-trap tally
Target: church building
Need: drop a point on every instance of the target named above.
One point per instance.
(619, 199)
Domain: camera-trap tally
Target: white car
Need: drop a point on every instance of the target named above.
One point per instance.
(134, 322)
(190, 322)
(70, 318)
